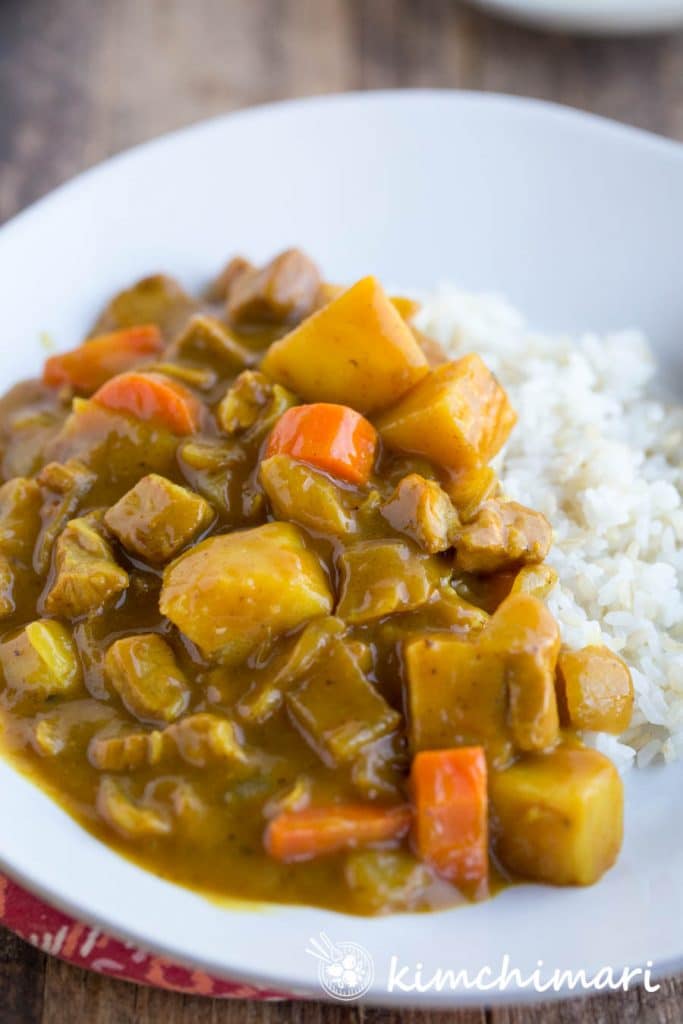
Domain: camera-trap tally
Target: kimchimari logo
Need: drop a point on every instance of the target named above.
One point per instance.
(345, 969)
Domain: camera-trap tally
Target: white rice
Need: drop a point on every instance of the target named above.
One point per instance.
(600, 456)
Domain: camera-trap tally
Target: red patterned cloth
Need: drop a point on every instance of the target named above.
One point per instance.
(58, 934)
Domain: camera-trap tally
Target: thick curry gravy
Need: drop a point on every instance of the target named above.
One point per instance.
(355, 696)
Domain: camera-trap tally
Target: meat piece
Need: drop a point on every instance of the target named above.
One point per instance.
(337, 709)
(157, 518)
(422, 510)
(235, 591)
(63, 486)
(157, 299)
(594, 690)
(7, 605)
(502, 535)
(221, 286)
(41, 660)
(208, 340)
(127, 752)
(458, 416)
(252, 406)
(302, 495)
(206, 739)
(86, 575)
(62, 730)
(128, 818)
(284, 291)
(380, 577)
(144, 672)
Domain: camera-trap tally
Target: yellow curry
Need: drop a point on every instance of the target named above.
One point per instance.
(270, 626)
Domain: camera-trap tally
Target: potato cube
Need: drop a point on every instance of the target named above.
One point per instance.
(355, 351)
(458, 416)
(525, 638)
(300, 494)
(558, 817)
(20, 502)
(145, 674)
(380, 577)
(338, 711)
(595, 690)
(232, 592)
(422, 510)
(157, 518)
(456, 696)
(41, 660)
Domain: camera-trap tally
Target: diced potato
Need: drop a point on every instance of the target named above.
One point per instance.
(337, 710)
(144, 672)
(129, 819)
(232, 592)
(525, 638)
(469, 488)
(423, 511)
(63, 487)
(503, 535)
(128, 751)
(153, 300)
(118, 447)
(595, 690)
(252, 405)
(356, 351)
(298, 493)
(266, 696)
(380, 577)
(205, 739)
(558, 817)
(208, 340)
(41, 660)
(457, 696)
(448, 610)
(157, 518)
(537, 580)
(283, 291)
(86, 575)
(459, 416)
(20, 502)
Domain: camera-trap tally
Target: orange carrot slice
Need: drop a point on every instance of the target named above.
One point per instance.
(317, 831)
(451, 815)
(87, 367)
(153, 397)
(333, 438)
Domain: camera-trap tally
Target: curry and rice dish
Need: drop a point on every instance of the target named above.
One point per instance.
(272, 628)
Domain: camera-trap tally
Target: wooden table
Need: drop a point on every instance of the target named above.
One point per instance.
(81, 79)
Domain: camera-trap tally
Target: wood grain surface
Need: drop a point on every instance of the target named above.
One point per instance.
(82, 79)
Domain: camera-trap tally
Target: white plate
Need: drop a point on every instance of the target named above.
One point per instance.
(579, 222)
(593, 17)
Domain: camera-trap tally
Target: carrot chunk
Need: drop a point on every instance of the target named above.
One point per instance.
(316, 831)
(451, 815)
(334, 438)
(87, 367)
(152, 397)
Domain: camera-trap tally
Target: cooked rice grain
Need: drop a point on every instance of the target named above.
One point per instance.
(599, 455)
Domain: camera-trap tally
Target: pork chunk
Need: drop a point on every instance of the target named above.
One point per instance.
(422, 510)
(284, 291)
(503, 535)
(157, 518)
(86, 575)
